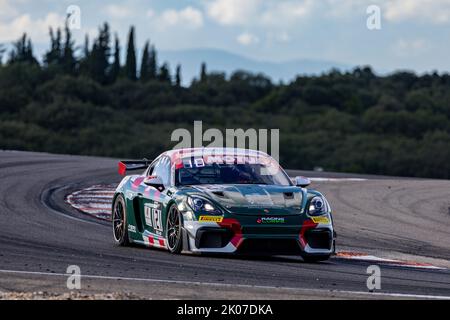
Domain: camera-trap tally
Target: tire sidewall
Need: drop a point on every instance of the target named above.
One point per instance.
(178, 247)
(124, 240)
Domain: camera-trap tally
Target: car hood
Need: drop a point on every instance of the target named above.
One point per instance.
(254, 198)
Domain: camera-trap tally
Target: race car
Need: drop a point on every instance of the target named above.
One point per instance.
(221, 200)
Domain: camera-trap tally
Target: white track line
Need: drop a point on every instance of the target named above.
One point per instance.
(387, 262)
(229, 285)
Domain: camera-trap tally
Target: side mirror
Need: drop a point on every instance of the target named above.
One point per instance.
(155, 182)
(300, 181)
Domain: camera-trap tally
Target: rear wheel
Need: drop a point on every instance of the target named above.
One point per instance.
(119, 221)
(174, 240)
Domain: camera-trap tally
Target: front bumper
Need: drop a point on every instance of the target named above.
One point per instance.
(236, 236)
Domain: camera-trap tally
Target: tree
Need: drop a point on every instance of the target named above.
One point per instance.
(85, 61)
(203, 72)
(22, 51)
(153, 64)
(104, 53)
(115, 69)
(53, 56)
(86, 46)
(130, 65)
(68, 59)
(145, 71)
(2, 51)
(178, 76)
(98, 61)
(164, 73)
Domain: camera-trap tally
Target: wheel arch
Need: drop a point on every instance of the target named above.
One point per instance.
(169, 204)
(127, 213)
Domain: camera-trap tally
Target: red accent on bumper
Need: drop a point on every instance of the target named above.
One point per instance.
(307, 224)
(235, 226)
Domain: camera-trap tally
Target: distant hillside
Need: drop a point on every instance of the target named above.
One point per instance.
(220, 60)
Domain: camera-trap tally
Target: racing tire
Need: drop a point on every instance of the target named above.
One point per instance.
(315, 258)
(174, 237)
(119, 222)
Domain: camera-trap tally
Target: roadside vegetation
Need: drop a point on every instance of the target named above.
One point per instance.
(85, 100)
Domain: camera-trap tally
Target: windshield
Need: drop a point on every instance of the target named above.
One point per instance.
(244, 173)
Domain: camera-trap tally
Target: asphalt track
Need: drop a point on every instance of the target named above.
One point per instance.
(41, 236)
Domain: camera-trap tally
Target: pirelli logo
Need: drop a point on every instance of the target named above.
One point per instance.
(210, 219)
(323, 220)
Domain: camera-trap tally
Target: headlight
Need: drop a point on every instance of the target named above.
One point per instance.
(202, 205)
(317, 206)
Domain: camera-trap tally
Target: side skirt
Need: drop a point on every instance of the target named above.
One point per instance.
(153, 241)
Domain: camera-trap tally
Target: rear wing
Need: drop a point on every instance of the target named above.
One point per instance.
(129, 165)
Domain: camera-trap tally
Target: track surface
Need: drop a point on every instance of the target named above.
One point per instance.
(42, 236)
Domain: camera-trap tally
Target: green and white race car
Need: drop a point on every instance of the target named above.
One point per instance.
(221, 200)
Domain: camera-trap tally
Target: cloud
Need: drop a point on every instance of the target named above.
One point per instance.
(277, 13)
(434, 11)
(37, 29)
(282, 37)
(412, 47)
(232, 12)
(118, 11)
(271, 13)
(150, 13)
(187, 17)
(7, 9)
(344, 9)
(247, 38)
(287, 13)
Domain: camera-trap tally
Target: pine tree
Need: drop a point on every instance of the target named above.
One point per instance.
(86, 47)
(178, 76)
(85, 60)
(98, 61)
(54, 55)
(153, 64)
(115, 69)
(68, 52)
(164, 73)
(29, 52)
(2, 51)
(130, 66)
(22, 51)
(104, 53)
(203, 72)
(145, 72)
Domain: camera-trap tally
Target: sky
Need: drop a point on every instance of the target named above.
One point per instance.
(413, 34)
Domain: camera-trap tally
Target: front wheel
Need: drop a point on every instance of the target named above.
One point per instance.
(119, 222)
(174, 238)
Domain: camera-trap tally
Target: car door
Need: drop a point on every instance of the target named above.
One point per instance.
(154, 201)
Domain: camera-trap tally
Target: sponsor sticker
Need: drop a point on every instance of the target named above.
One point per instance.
(152, 214)
(210, 219)
(270, 220)
(323, 220)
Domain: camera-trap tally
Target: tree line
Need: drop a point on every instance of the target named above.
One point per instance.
(87, 101)
(99, 61)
